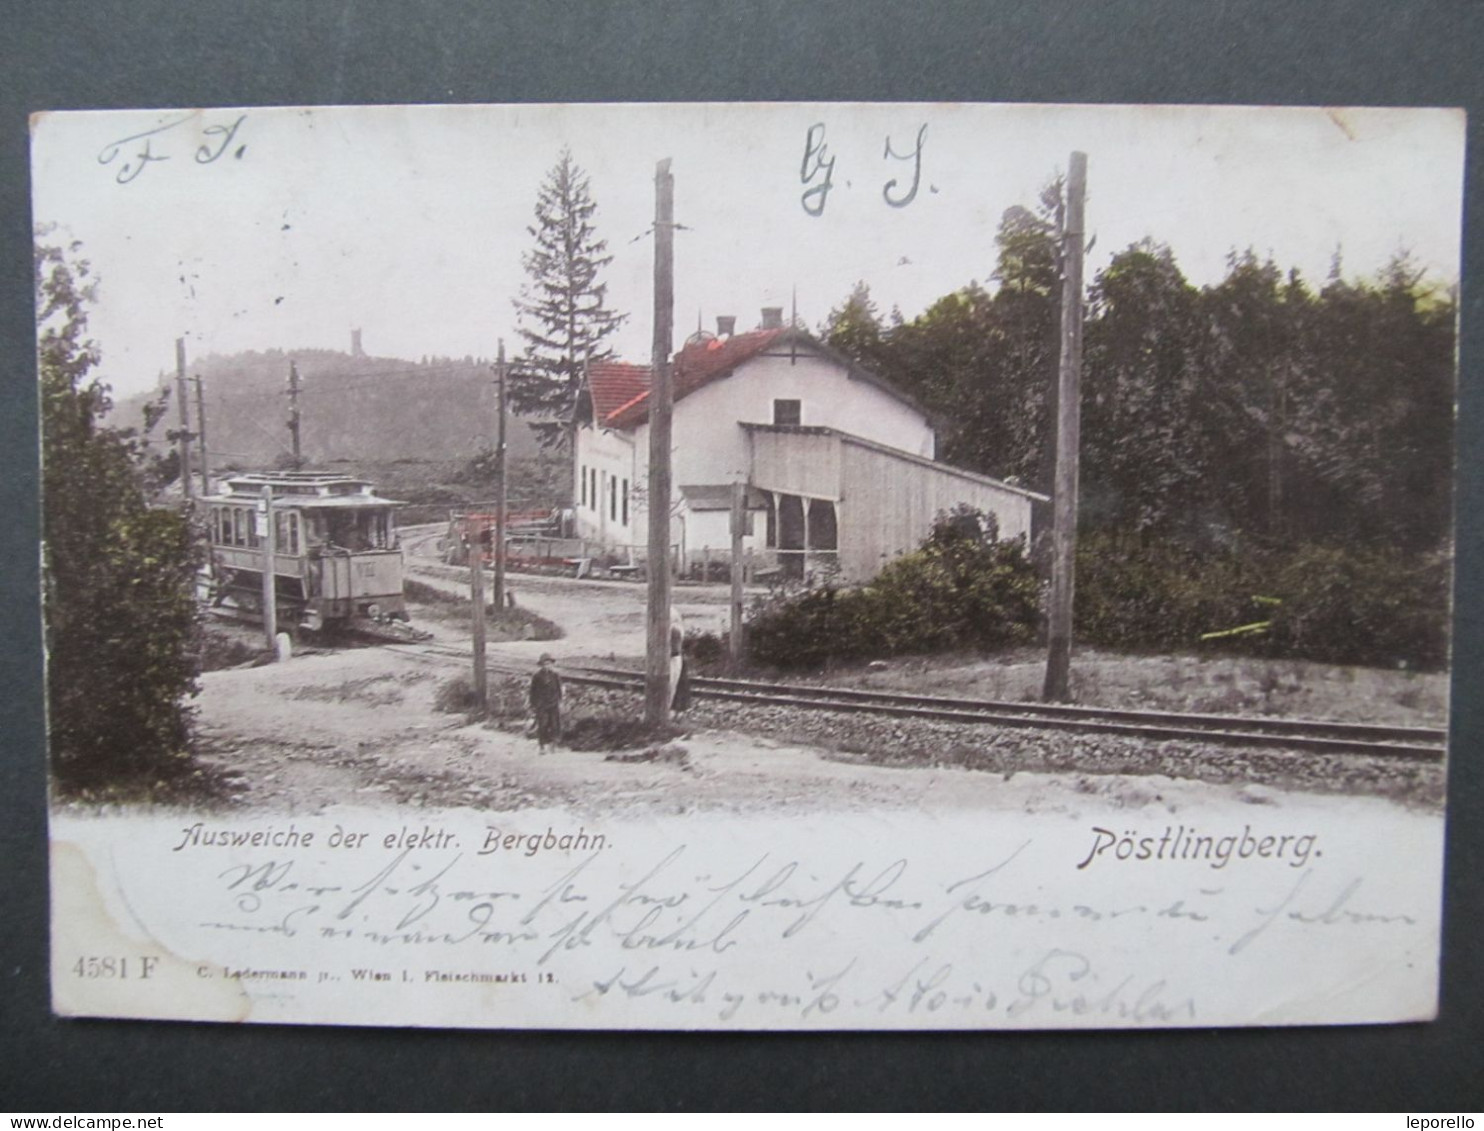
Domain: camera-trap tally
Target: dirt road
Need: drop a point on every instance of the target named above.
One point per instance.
(361, 726)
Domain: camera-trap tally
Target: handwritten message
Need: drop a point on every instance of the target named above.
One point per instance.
(538, 919)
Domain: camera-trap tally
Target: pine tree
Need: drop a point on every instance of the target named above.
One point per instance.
(854, 328)
(564, 318)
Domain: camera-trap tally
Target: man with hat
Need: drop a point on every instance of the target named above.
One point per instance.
(546, 701)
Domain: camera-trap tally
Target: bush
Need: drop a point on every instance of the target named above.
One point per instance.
(962, 589)
(121, 620)
(1162, 596)
(456, 696)
(1344, 605)
(704, 649)
(1375, 607)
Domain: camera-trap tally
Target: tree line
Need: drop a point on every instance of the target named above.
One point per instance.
(1261, 409)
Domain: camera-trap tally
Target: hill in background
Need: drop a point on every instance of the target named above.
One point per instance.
(417, 429)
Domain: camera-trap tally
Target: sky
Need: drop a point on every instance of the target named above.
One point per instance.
(287, 228)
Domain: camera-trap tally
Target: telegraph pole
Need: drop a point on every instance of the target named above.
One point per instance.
(185, 418)
(502, 497)
(476, 598)
(270, 592)
(201, 436)
(294, 412)
(1068, 441)
(657, 644)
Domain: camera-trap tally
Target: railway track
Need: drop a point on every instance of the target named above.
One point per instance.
(1417, 743)
(1319, 736)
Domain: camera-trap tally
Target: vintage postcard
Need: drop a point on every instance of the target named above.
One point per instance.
(748, 566)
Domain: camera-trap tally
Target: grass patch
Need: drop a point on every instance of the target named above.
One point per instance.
(373, 690)
(500, 624)
(505, 699)
(229, 646)
(612, 732)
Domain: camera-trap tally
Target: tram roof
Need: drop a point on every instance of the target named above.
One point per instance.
(303, 488)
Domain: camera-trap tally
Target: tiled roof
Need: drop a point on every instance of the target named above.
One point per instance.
(614, 384)
(697, 365)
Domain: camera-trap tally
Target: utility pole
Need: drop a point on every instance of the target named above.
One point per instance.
(270, 592)
(294, 412)
(201, 436)
(657, 642)
(1068, 441)
(185, 418)
(739, 519)
(502, 497)
(476, 599)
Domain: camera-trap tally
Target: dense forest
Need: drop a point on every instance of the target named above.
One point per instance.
(1259, 407)
(1259, 449)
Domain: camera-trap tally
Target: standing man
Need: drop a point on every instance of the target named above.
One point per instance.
(546, 701)
(679, 676)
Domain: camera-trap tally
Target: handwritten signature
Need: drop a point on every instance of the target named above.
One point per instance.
(817, 171)
(136, 152)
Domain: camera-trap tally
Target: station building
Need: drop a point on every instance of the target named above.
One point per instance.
(839, 467)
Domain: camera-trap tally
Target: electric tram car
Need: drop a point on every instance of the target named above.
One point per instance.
(337, 562)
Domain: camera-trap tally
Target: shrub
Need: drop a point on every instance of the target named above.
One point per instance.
(121, 620)
(1350, 605)
(1376, 607)
(705, 649)
(962, 589)
(456, 696)
(1163, 596)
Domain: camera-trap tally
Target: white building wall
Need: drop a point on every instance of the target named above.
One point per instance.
(872, 534)
(607, 460)
(710, 448)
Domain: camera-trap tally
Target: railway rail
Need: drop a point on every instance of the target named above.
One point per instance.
(1312, 735)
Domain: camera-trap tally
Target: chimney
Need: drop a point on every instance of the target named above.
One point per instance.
(726, 325)
(772, 318)
(355, 344)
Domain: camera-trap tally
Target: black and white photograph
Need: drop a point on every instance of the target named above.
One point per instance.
(726, 566)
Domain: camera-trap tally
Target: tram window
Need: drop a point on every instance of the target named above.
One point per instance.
(250, 522)
(286, 534)
(239, 533)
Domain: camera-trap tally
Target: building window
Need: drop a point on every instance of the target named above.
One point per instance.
(625, 502)
(584, 485)
(593, 490)
(788, 412)
(613, 497)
